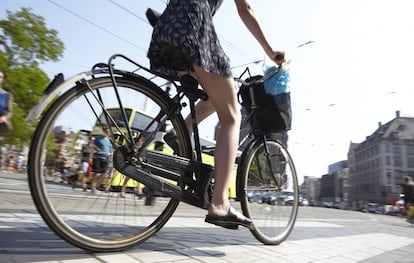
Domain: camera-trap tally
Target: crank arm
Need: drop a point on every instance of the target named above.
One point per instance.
(143, 173)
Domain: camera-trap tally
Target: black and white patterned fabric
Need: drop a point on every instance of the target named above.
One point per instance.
(188, 24)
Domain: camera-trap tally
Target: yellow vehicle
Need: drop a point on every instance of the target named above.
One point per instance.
(139, 120)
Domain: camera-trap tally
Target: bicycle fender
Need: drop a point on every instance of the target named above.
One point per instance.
(55, 87)
(240, 168)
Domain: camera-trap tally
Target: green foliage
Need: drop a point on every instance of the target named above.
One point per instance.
(25, 41)
(27, 84)
(21, 132)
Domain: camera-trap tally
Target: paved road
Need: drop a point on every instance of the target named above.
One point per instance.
(320, 235)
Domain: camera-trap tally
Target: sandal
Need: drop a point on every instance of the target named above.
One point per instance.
(229, 221)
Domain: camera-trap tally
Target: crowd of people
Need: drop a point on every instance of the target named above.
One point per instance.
(12, 161)
(96, 166)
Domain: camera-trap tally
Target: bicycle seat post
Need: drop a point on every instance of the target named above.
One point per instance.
(190, 88)
(173, 59)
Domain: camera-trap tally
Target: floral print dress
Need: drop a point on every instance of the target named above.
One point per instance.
(188, 24)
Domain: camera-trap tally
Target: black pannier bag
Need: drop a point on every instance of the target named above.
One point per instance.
(273, 113)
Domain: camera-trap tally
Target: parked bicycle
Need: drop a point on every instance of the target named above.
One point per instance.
(106, 222)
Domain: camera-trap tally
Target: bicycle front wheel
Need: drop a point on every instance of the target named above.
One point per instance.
(270, 193)
(102, 219)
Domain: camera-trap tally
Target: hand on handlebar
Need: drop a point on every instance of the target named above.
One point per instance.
(278, 57)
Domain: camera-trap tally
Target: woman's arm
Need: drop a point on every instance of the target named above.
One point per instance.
(248, 17)
(7, 113)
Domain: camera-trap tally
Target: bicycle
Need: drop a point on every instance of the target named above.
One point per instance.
(105, 222)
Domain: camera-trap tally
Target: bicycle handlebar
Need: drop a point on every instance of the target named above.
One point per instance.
(279, 57)
(258, 81)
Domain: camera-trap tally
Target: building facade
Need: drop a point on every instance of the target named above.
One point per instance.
(378, 165)
(310, 189)
(335, 188)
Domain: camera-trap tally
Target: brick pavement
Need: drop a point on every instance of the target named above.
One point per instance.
(336, 236)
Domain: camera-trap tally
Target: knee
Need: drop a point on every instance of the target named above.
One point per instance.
(232, 119)
(238, 118)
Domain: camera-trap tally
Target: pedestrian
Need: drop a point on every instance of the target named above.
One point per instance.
(19, 162)
(110, 172)
(138, 190)
(188, 25)
(103, 148)
(11, 164)
(6, 106)
(87, 162)
(407, 188)
(83, 170)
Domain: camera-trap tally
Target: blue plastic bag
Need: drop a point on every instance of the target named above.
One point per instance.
(278, 83)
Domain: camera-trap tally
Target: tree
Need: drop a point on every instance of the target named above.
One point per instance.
(25, 42)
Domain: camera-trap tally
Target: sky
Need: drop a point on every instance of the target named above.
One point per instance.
(354, 75)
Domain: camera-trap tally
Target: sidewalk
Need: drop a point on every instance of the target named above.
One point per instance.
(320, 235)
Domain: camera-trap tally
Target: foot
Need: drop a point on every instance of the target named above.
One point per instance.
(122, 194)
(139, 194)
(231, 220)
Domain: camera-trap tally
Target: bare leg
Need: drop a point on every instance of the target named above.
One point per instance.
(139, 188)
(123, 188)
(203, 110)
(97, 180)
(222, 97)
(84, 181)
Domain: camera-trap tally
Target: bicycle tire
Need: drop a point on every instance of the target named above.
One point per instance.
(105, 221)
(264, 197)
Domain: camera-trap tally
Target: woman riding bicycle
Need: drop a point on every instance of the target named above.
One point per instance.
(188, 24)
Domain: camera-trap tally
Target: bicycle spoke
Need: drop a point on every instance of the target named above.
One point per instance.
(105, 220)
(271, 193)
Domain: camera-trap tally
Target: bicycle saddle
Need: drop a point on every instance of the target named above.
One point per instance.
(173, 58)
(152, 16)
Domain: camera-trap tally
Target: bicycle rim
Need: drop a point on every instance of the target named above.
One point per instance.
(270, 196)
(103, 221)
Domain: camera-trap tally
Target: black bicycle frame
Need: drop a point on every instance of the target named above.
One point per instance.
(192, 179)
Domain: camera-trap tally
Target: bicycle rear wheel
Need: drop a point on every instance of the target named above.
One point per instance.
(104, 220)
(270, 190)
